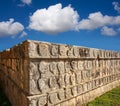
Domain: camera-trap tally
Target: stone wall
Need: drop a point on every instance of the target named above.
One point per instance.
(44, 74)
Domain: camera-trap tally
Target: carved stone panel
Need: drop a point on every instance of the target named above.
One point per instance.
(43, 50)
(42, 101)
(53, 68)
(61, 67)
(63, 51)
(54, 51)
(80, 65)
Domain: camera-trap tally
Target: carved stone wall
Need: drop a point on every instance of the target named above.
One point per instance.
(44, 74)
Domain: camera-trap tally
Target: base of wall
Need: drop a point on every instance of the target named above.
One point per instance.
(81, 99)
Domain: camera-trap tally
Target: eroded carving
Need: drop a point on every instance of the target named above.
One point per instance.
(61, 95)
(74, 91)
(53, 68)
(74, 66)
(70, 51)
(76, 52)
(33, 103)
(43, 67)
(80, 65)
(53, 82)
(78, 77)
(68, 67)
(54, 50)
(53, 98)
(67, 79)
(73, 79)
(61, 81)
(34, 73)
(68, 93)
(41, 83)
(43, 49)
(61, 67)
(33, 86)
(63, 50)
(42, 101)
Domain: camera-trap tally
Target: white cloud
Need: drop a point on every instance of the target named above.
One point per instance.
(26, 2)
(108, 31)
(116, 6)
(97, 20)
(23, 34)
(10, 27)
(55, 19)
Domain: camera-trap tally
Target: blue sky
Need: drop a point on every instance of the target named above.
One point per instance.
(94, 24)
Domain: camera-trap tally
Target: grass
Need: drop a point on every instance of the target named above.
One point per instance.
(111, 98)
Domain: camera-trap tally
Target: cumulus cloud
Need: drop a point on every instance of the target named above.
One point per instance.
(97, 20)
(10, 27)
(23, 34)
(108, 31)
(55, 19)
(116, 6)
(26, 1)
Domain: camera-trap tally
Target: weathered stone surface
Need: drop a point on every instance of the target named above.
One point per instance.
(53, 98)
(42, 101)
(45, 74)
(43, 67)
(81, 65)
(61, 67)
(67, 79)
(63, 51)
(43, 50)
(54, 51)
(53, 68)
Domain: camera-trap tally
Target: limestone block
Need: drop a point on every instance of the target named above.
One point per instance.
(43, 50)
(57, 105)
(64, 103)
(67, 79)
(63, 51)
(72, 102)
(76, 52)
(61, 81)
(33, 87)
(53, 68)
(33, 103)
(42, 101)
(68, 93)
(74, 91)
(37, 100)
(34, 71)
(53, 82)
(70, 52)
(79, 100)
(54, 51)
(74, 66)
(80, 65)
(78, 77)
(79, 89)
(61, 67)
(61, 95)
(73, 79)
(33, 50)
(68, 67)
(43, 86)
(43, 67)
(85, 87)
(53, 98)
(88, 65)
